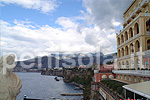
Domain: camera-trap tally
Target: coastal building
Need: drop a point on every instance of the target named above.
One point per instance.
(133, 49)
(104, 72)
(133, 44)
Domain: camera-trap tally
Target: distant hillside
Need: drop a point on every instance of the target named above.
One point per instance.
(35, 64)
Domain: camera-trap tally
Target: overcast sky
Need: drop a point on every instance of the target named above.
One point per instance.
(45, 26)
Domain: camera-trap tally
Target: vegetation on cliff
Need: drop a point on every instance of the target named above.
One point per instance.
(115, 85)
(83, 77)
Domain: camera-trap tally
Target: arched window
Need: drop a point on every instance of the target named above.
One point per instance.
(122, 51)
(136, 28)
(148, 44)
(137, 46)
(122, 39)
(133, 79)
(104, 77)
(120, 76)
(146, 79)
(119, 53)
(116, 76)
(127, 65)
(111, 77)
(131, 32)
(132, 64)
(124, 77)
(123, 65)
(139, 80)
(119, 65)
(118, 41)
(138, 64)
(131, 48)
(147, 64)
(126, 50)
(126, 36)
(128, 78)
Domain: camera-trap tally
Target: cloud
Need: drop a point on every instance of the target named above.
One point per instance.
(66, 22)
(20, 37)
(103, 18)
(105, 13)
(45, 6)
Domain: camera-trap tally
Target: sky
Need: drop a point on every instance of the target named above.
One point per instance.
(45, 26)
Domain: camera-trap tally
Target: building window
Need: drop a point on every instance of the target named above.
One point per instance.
(123, 77)
(120, 65)
(139, 80)
(123, 65)
(127, 64)
(116, 76)
(128, 78)
(138, 64)
(146, 64)
(132, 64)
(146, 79)
(133, 79)
(120, 76)
(148, 44)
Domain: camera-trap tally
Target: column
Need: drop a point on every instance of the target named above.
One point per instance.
(142, 26)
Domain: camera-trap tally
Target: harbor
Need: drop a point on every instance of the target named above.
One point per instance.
(41, 87)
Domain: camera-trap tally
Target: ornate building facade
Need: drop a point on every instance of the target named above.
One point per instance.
(133, 43)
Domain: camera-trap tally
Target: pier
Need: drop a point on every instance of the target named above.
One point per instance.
(72, 94)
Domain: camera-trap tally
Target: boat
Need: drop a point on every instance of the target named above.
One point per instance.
(56, 79)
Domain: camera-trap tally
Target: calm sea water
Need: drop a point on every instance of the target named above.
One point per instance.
(35, 85)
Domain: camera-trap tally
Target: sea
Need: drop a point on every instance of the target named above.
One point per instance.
(37, 86)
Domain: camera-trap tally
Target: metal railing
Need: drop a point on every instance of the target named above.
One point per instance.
(133, 72)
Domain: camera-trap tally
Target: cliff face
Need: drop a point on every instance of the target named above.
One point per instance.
(53, 72)
(69, 74)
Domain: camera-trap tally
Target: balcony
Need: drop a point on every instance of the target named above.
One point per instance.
(148, 32)
(126, 42)
(137, 53)
(144, 73)
(144, 3)
(122, 57)
(128, 19)
(138, 9)
(133, 15)
(127, 56)
(131, 38)
(132, 55)
(119, 58)
(137, 35)
(146, 53)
